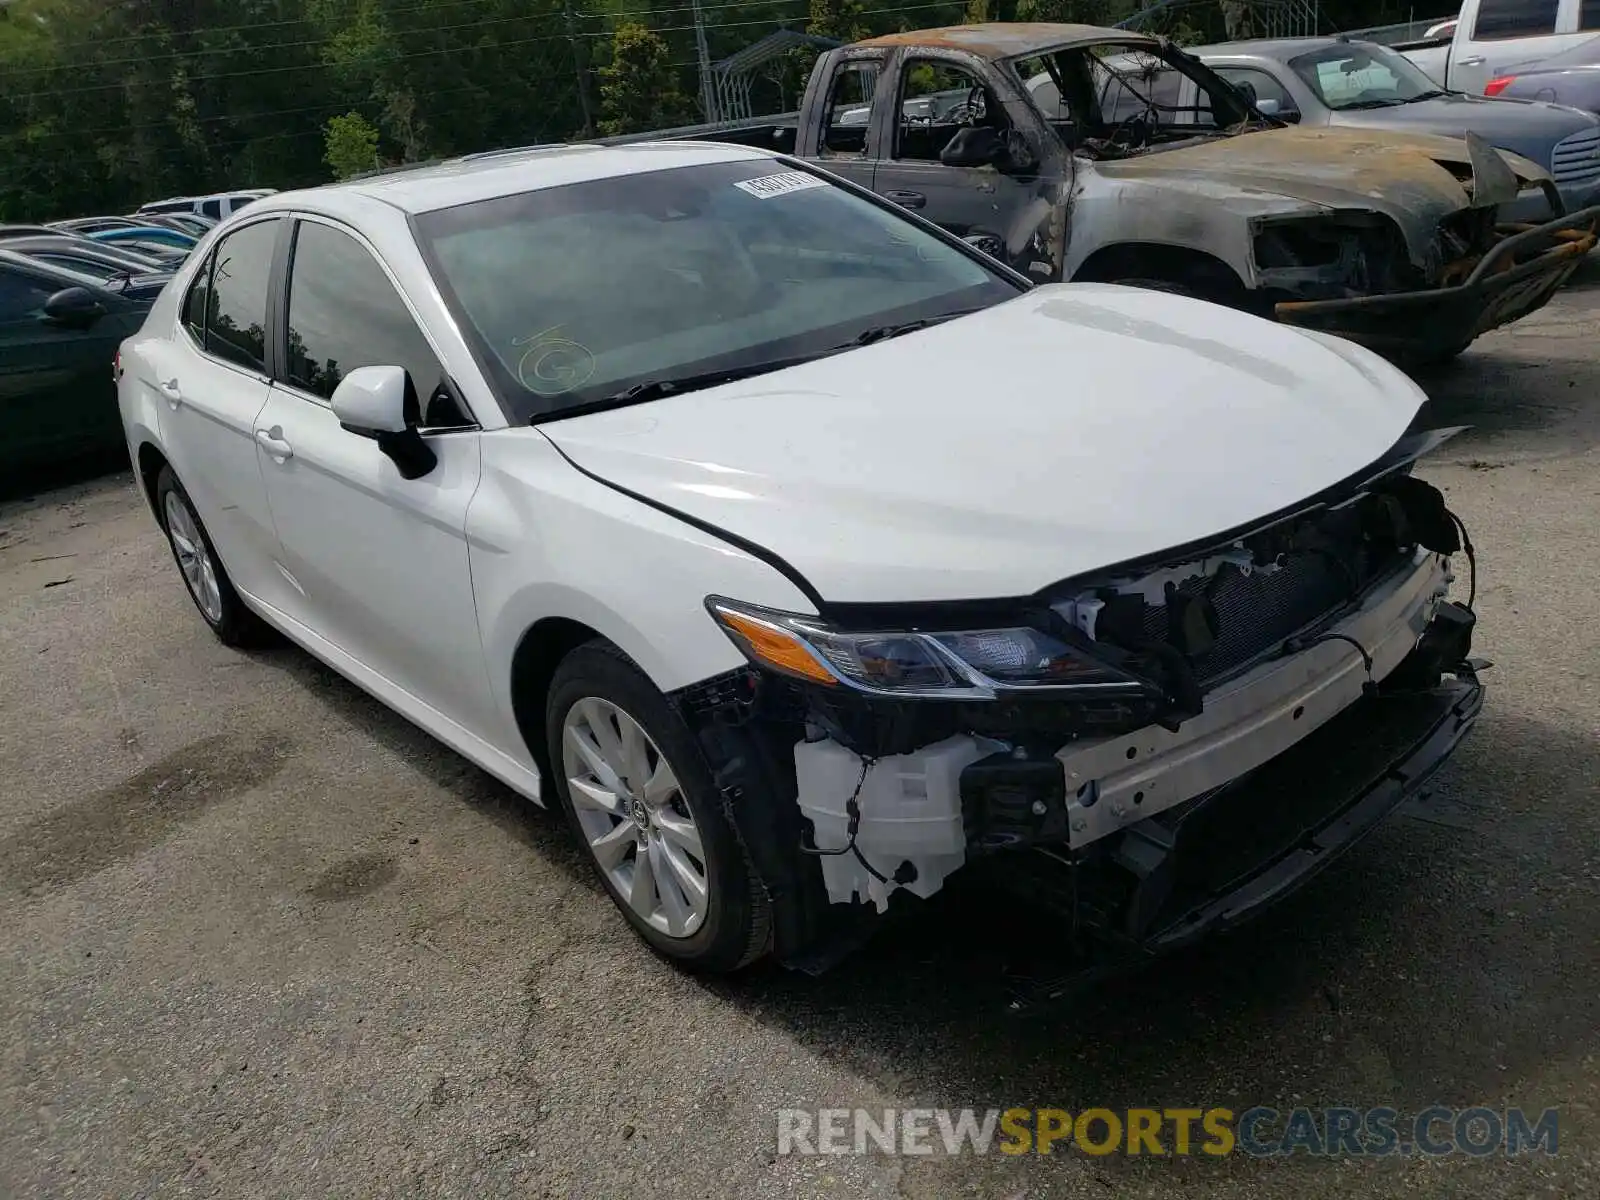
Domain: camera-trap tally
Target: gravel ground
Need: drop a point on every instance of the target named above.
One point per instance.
(261, 937)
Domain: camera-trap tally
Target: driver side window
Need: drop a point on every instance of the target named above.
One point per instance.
(936, 100)
(22, 298)
(1265, 87)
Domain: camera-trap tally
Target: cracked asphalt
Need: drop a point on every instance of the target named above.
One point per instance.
(261, 937)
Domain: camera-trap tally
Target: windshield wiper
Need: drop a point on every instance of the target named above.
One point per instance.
(1430, 94)
(1387, 103)
(655, 389)
(879, 333)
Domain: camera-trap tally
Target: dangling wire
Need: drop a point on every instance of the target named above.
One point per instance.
(1295, 645)
(853, 808)
(1472, 560)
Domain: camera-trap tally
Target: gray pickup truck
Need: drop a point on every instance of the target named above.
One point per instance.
(1107, 175)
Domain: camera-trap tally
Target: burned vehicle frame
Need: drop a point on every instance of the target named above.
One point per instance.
(1275, 693)
(1388, 239)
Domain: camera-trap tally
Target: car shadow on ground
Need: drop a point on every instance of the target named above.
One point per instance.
(541, 830)
(1438, 961)
(1537, 378)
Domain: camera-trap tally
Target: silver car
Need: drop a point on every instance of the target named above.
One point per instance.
(1329, 81)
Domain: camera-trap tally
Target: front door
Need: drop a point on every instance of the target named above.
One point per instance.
(937, 100)
(379, 562)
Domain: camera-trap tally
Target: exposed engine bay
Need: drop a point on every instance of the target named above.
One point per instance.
(1217, 660)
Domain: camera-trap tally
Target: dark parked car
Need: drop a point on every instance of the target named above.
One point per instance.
(1570, 78)
(86, 257)
(87, 225)
(8, 232)
(59, 332)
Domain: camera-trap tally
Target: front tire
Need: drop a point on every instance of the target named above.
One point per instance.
(203, 574)
(641, 801)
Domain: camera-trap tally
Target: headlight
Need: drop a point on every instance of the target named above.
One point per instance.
(970, 664)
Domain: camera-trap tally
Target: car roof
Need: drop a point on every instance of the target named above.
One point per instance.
(505, 173)
(1007, 39)
(54, 271)
(1279, 49)
(7, 232)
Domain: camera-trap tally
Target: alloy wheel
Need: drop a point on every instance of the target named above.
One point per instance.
(194, 558)
(634, 817)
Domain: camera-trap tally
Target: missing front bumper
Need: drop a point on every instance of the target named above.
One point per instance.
(1516, 277)
(1225, 857)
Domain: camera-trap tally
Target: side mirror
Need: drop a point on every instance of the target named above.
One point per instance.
(372, 400)
(974, 146)
(1267, 108)
(380, 403)
(73, 308)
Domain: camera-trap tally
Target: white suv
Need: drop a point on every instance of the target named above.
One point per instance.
(802, 552)
(222, 204)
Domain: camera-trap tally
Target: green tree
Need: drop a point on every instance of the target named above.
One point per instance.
(351, 145)
(639, 90)
(840, 19)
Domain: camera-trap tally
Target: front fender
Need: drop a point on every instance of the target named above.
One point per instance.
(546, 540)
(1201, 214)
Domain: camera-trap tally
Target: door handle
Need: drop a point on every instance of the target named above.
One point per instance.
(173, 394)
(907, 199)
(274, 445)
(1475, 61)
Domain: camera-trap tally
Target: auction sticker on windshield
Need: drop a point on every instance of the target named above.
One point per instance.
(768, 186)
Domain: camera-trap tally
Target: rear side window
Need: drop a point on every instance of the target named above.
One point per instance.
(1589, 14)
(197, 303)
(236, 312)
(344, 313)
(1515, 18)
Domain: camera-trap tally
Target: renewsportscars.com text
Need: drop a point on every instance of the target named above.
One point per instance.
(1259, 1132)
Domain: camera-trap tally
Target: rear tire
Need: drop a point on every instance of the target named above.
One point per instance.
(203, 574)
(649, 816)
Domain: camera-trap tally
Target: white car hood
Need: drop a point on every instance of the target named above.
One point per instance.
(1072, 428)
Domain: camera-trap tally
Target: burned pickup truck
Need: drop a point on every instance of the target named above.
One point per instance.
(1077, 153)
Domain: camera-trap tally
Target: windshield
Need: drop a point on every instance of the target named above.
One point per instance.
(573, 295)
(1116, 99)
(1362, 75)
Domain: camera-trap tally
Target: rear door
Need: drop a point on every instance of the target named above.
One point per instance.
(1503, 35)
(212, 377)
(379, 561)
(58, 400)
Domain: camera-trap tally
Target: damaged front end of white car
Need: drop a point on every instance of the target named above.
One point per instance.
(1149, 752)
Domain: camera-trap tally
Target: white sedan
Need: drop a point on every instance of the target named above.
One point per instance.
(804, 554)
